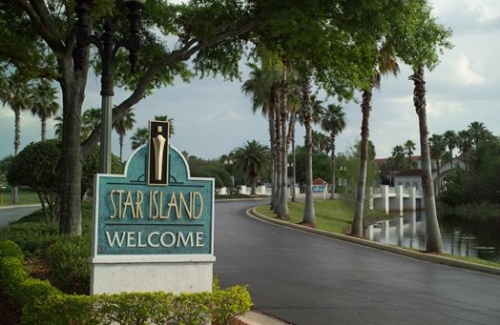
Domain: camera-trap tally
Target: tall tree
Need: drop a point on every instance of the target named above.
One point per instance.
(139, 138)
(464, 144)
(91, 120)
(18, 95)
(334, 123)
(478, 133)
(44, 103)
(437, 147)
(309, 215)
(421, 49)
(386, 64)
(252, 159)
(262, 87)
(410, 147)
(450, 137)
(122, 126)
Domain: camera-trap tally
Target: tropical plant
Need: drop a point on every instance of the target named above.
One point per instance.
(410, 147)
(334, 123)
(421, 49)
(91, 119)
(386, 64)
(17, 93)
(437, 146)
(253, 159)
(122, 126)
(44, 103)
(262, 86)
(139, 138)
(450, 137)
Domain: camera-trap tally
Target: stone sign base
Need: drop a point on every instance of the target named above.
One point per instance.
(143, 273)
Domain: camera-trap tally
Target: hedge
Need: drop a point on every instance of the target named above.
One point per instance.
(44, 304)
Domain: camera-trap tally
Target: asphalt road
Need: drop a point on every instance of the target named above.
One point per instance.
(13, 213)
(309, 279)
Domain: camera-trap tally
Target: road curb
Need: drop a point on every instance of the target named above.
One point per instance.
(389, 248)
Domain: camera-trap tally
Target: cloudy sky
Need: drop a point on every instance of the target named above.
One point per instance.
(212, 117)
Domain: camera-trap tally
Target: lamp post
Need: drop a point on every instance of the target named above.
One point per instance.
(292, 181)
(108, 46)
(229, 166)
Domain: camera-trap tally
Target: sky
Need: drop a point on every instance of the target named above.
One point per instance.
(211, 116)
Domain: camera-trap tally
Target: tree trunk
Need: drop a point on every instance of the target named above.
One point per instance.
(434, 242)
(73, 90)
(309, 216)
(283, 212)
(357, 225)
(44, 127)
(272, 140)
(121, 146)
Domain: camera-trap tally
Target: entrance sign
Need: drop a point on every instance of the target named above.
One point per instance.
(154, 221)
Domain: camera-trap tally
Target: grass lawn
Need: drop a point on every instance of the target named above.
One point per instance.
(24, 198)
(331, 215)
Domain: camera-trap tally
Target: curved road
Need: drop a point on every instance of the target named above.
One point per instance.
(14, 213)
(308, 279)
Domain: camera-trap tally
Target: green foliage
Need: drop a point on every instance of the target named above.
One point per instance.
(41, 301)
(68, 258)
(37, 166)
(321, 165)
(9, 249)
(32, 237)
(91, 167)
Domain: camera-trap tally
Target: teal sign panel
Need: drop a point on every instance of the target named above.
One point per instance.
(134, 217)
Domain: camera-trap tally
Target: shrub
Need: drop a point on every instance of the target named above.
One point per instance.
(68, 258)
(41, 301)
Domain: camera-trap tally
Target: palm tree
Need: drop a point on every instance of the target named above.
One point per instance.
(450, 138)
(44, 102)
(90, 120)
(333, 122)
(309, 215)
(262, 87)
(437, 145)
(58, 126)
(464, 144)
(170, 121)
(139, 138)
(387, 63)
(122, 126)
(410, 147)
(479, 134)
(423, 43)
(17, 93)
(253, 159)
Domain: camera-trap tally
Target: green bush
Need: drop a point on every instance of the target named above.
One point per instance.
(41, 301)
(32, 237)
(68, 258)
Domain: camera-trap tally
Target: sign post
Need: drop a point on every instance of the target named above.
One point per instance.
(153, 226)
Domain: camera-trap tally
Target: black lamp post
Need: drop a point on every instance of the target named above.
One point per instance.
(108, 46)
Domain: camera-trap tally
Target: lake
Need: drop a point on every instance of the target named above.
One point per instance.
(461, 236)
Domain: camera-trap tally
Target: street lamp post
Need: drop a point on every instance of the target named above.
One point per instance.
(292, 181)
(107, 46)
(229, 166)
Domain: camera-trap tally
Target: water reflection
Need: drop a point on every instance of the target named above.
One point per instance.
(472, 238)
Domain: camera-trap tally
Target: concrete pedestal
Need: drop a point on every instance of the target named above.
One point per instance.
(176, 274)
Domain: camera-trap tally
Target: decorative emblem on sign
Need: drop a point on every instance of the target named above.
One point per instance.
(158, 152)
